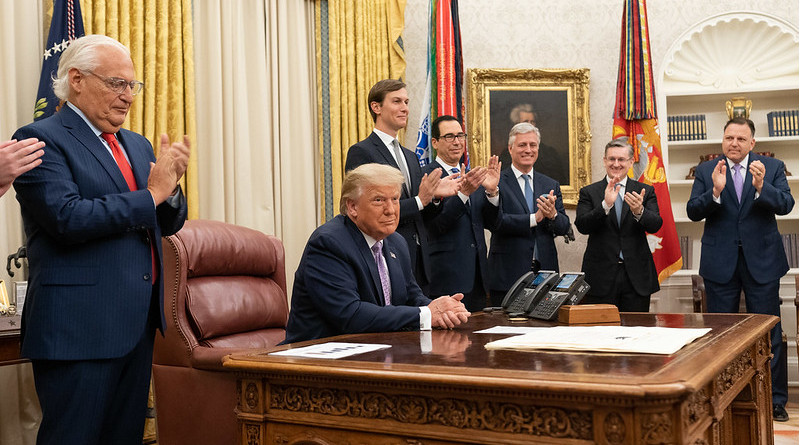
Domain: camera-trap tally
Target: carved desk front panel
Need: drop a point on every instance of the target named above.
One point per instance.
(711, 391)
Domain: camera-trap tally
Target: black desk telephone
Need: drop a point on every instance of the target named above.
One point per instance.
(540, 294)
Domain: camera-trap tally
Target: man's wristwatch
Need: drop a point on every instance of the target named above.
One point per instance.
(496, 192)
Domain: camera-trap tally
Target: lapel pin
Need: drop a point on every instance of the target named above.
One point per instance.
(391, 254)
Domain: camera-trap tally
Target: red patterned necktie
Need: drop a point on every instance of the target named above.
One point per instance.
(127, 172)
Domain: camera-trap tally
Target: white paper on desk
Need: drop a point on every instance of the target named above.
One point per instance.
(509, 330)
(332, 350)
(638, 339)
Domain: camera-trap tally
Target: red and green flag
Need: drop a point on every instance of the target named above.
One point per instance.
(444, 82)
(635, 117)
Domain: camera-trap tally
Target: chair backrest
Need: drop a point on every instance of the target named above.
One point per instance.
(699, 304)
(698, 294)
(224, 290)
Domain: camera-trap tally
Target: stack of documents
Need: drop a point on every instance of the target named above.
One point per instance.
(639, 339)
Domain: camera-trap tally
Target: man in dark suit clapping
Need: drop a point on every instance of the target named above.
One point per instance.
(531, 213)
(457, 242)
(616, 212)
(94, 212)
(388, 106)
(738, 195)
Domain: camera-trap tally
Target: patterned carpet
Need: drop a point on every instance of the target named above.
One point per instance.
(786, 432)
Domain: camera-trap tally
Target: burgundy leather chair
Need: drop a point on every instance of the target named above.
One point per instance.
(224, 291)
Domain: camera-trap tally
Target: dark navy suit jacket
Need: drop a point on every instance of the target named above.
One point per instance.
(607, 237)
(511, 248)
(337, 289)
(457, 242)
(412, 227)
(751, 223)
(88, 242)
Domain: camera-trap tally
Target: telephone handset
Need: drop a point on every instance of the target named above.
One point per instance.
(570, 289)
(528, 289)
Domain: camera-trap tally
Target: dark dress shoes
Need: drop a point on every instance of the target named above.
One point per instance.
(779, 413)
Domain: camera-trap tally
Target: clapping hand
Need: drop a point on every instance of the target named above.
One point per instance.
(635, 201)
(472, 179)
(611, 193)
(546, 206)
(492, 178)
(718, 177)
(758, 170)
(173, 159)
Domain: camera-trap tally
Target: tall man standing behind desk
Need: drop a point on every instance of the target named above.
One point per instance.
(457, 243)
(94, 212)
(739, 195)
(531, 213)
(616, 212)
(388, 105)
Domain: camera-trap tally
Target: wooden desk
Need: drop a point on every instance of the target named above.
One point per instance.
(9, 340)
(710, 392)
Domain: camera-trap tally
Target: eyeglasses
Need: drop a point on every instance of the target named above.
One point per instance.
(450, 137)
(620, 160)
(118, 85)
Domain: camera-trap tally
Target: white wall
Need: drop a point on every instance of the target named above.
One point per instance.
(562, 34)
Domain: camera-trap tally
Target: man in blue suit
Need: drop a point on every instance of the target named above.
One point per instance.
(457, 243)
(355, 273)
(94, 212)
(531, 214)
(738, 195)
(388, 106)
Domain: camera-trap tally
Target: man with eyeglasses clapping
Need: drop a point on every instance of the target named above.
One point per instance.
(94, 212)
(617, 212)
(456, 241)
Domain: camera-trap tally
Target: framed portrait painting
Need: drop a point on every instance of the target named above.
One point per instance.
(555, 101)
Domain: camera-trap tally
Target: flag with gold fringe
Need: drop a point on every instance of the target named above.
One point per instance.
(444, 81)
(65, 26)
(635, 117)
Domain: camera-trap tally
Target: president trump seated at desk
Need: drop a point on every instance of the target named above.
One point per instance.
(355, 274)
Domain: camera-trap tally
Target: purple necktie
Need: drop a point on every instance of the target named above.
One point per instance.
(382, 272)
(738, 181)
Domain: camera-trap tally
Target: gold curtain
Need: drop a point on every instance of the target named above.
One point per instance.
(357, 44)
(159, 36)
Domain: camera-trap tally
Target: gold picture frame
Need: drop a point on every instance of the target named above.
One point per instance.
(558, 100)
